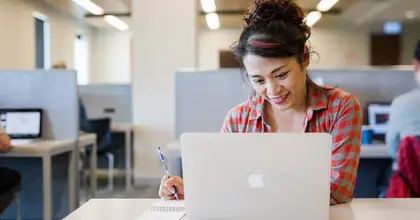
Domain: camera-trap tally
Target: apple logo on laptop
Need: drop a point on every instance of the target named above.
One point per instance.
(256, 180)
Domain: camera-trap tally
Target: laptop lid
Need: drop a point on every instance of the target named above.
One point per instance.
(256, 175)
(22, 123)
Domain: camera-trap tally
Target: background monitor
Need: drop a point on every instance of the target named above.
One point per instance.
(22, 123)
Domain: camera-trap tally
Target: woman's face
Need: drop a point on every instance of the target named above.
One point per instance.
(281, 81)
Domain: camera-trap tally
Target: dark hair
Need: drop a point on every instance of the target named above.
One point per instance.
(417, 51)
(274, 29)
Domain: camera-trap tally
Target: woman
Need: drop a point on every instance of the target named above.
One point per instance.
(274, 56)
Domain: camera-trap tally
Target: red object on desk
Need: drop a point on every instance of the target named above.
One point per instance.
(405, 182)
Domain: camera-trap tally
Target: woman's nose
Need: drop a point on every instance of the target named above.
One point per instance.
(273, 88)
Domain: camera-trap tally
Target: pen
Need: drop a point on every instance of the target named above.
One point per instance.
(162, 159)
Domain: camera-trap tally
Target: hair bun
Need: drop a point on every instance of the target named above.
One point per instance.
(269, 10)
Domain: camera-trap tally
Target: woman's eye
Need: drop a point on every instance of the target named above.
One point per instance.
(282, 76)
(259, 81)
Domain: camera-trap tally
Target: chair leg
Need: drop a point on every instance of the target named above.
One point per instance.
(18, 206)
(110, 157)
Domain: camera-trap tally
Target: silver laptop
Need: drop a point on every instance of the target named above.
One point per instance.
(256, 176)
(22, 125)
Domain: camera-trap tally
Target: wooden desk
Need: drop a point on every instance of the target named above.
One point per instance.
(126, 129)
(46, 149)
(358, 209)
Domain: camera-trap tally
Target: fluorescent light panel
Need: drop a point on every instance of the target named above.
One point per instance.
(90, 6)
(313, 17)
(326, 5)
(208, 6)
(212, 20)
(116, 22)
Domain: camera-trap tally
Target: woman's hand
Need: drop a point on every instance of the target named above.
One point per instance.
(166, 189)
(5, 145)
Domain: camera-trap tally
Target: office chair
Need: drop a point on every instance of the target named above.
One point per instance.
(6, 198)
(102, 128)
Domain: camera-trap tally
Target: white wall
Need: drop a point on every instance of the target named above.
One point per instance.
(336, 48)
(17, 45)
(111, 56)
(410, 38)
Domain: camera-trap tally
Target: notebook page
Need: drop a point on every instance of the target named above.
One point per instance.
(164, 211)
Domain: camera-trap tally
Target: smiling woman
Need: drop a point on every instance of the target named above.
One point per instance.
(273, 54)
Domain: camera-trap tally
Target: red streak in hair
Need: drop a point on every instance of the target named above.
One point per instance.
(263, 44)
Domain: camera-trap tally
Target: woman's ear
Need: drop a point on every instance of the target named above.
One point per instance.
(306, 57)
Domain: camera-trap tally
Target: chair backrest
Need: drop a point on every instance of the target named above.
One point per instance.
(102, 128)
(405, 183)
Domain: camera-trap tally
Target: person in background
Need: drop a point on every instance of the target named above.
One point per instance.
(274, 57)
(9, 178)
(404, 118)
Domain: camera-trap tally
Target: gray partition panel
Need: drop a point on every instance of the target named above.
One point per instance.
(108, 100)
(53, 91)
(203, 98)
(376, 85)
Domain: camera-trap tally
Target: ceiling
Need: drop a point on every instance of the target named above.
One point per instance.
(353, 13)
(118, 7)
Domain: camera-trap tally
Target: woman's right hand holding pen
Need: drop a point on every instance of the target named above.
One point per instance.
(166, 189)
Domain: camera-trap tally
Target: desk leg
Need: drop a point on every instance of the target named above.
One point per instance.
(47, 186)
(128, 172)
(93, 166)
(73, 179)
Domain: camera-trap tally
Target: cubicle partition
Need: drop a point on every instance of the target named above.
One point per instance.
(56, 93)
(368, 85)
(108, 100)
(203, 98)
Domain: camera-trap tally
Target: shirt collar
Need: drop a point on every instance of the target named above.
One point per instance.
(316, 99)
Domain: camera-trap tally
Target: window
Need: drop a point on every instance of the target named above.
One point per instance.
(42, 41)
(81, 59)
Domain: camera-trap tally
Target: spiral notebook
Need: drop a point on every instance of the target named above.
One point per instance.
(164, 211)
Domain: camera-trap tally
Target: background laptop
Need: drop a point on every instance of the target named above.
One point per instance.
(22, 125)
(257, 175)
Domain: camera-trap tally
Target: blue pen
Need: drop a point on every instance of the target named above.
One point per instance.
(162, 159)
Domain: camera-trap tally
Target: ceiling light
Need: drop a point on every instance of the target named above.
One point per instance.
(212, 20)
(116, 22)
(208, 6)
(313, 17)
(90, 6)
(326, 5)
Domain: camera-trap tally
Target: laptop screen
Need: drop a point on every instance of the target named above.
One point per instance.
(21, 123)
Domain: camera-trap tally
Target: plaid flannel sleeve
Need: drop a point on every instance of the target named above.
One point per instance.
(346, 132)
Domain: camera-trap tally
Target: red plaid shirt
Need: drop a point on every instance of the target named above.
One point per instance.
(329, 110)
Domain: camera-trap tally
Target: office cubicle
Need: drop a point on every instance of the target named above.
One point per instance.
(108, 100)
(112, 101)
(203, 98)
(56, 93)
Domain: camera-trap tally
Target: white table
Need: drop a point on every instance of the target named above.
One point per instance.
(375, 151)
(358, 209)
(126, 129)
(46, 149)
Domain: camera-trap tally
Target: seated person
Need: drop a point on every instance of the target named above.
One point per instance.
(274, 58)
(404, 118)
(9, 178)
